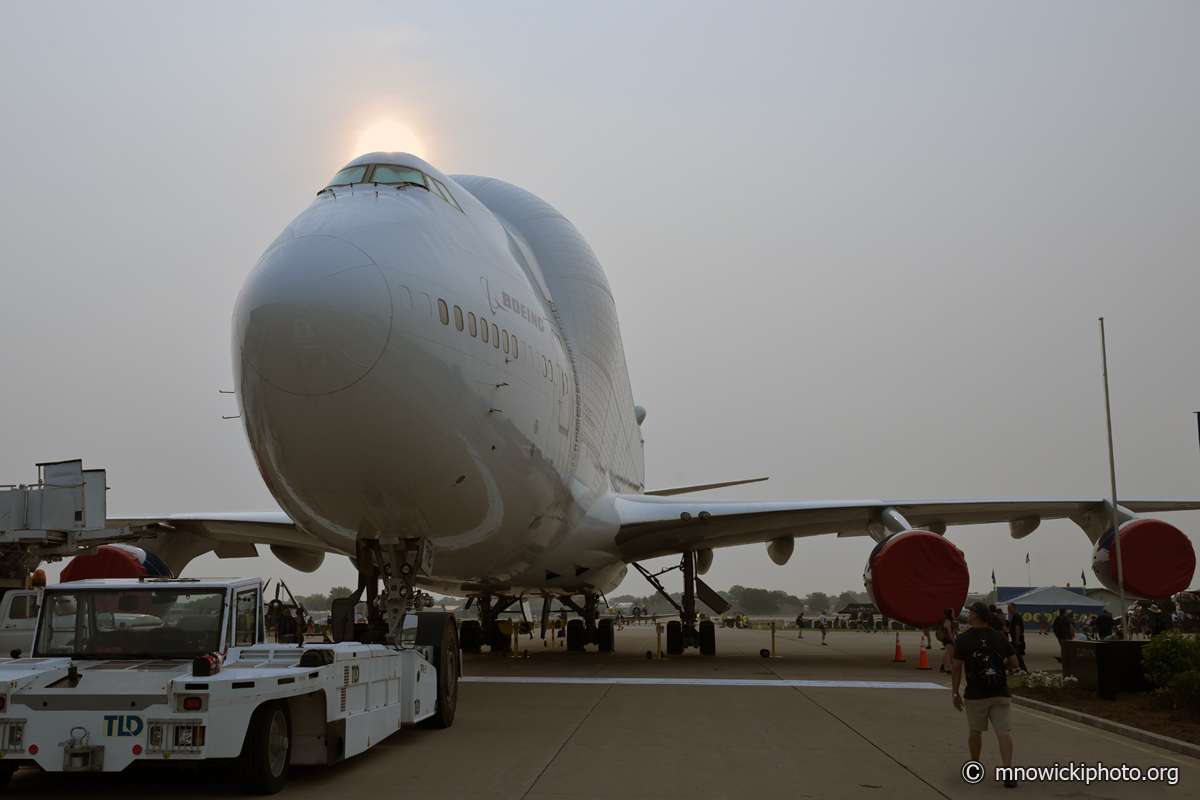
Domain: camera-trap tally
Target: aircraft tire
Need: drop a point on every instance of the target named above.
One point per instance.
(607, 636)
(674, 638)
(470, 636)
(708, 638)
(262, 767)
(574, 636)
(438, 630)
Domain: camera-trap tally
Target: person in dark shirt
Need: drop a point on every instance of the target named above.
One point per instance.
(1016, 632)
(1156, 622)
(286, 630)
(984, 654)
(1104, 625)
(1064, 628)
(998, 621)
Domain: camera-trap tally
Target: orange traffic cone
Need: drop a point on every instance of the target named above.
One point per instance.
(924, 662)
(899, 654)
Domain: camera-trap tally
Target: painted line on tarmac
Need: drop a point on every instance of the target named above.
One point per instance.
(706, 682)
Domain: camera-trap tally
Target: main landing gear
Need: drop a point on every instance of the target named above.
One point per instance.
(683, 633)
(590, 629)
(475, 633)
(587, 629)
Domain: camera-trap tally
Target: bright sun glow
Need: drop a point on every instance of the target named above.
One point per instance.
(389, 136)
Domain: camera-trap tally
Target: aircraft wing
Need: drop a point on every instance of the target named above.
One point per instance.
(654, 526)
(232, 535)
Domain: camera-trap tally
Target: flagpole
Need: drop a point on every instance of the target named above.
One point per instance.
(1112, 471)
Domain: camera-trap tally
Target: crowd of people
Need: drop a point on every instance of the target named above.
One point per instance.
(289, 628)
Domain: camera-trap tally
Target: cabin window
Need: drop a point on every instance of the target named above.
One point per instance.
(504, 335)
(543, 366)
(393, 174)
(348, 176)
(551, 370)
(443, 312)
(471, 322)
(458, 319)
(245, 613)
(495, 336)
(483, 328)
(24, 607)
(515, 354)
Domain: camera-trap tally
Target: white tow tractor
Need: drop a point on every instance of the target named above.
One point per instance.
(151, 669)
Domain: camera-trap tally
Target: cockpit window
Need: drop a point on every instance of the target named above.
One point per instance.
(348, 176)
(445, 193)
(392, 174)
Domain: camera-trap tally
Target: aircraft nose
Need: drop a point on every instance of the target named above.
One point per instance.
(314, 316)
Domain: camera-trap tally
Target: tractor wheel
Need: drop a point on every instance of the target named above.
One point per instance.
(438, 630)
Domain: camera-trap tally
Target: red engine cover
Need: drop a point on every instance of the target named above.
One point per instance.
(1157, 558)
(114, 561)
(916, 576)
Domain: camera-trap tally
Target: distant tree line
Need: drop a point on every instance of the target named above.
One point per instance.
(750, 600)
(742, 599)
(324, 602)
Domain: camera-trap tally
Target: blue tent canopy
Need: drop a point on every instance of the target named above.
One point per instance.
(1049, 599)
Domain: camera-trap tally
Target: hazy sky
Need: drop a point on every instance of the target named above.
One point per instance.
(860, 248)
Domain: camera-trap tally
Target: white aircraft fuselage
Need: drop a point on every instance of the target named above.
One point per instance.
(452, 368)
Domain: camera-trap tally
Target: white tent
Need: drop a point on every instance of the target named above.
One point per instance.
(1049, 599)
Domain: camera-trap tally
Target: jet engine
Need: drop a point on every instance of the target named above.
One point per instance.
(1157, 559)
(914, 576)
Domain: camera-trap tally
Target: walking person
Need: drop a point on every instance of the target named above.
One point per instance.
(1016, 632)
(800, 624)
(823, 624)
(946, 635)
(983, 654)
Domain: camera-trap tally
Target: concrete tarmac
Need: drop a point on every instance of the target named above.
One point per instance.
(546, 739)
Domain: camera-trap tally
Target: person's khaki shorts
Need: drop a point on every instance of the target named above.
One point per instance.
(996, 709)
